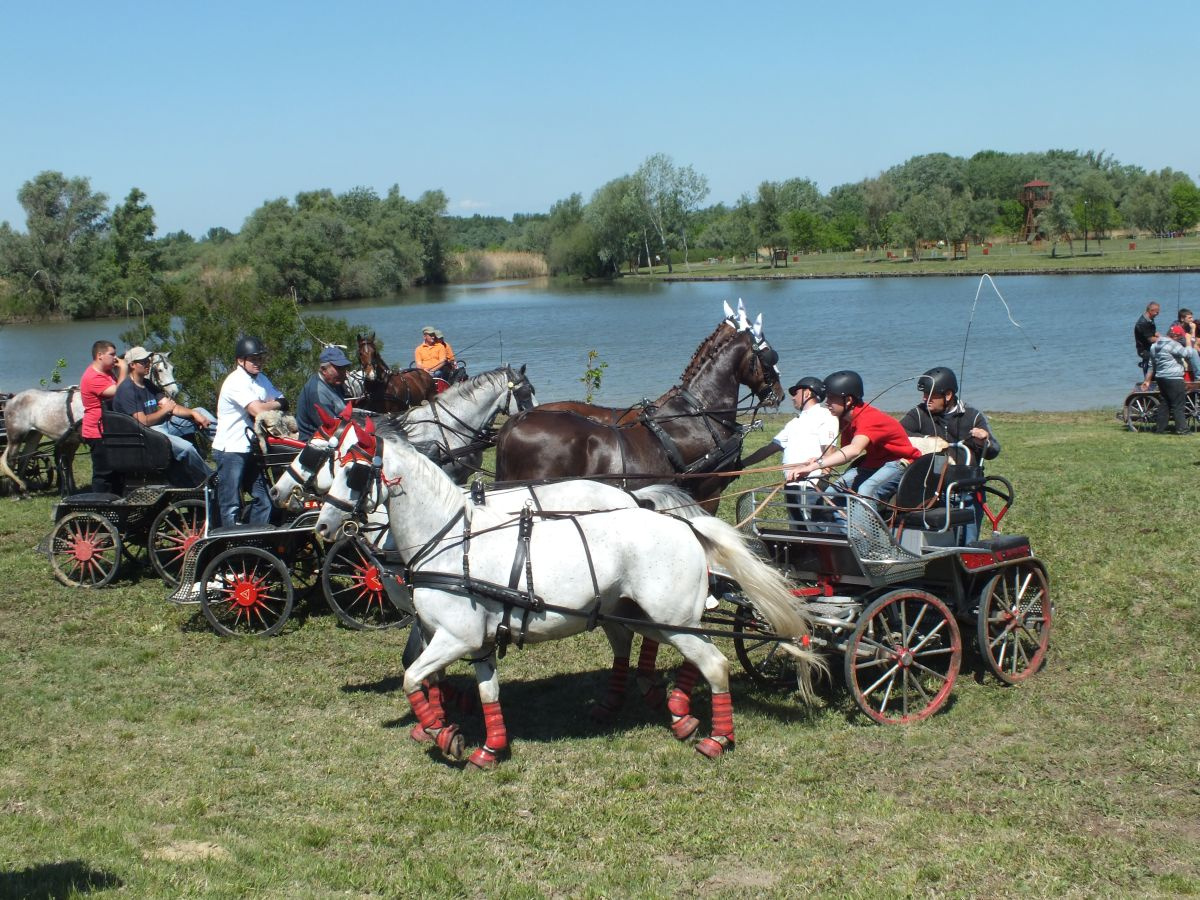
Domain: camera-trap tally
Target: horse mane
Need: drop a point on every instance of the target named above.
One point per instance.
(707, 348)
(418, 467)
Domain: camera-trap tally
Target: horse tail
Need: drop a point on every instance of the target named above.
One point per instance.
(767, 588)
(667, 498)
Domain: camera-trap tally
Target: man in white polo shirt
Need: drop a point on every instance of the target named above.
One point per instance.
(245, 393)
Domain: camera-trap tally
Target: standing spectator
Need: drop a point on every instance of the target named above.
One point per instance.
(812, 432)
(98, 384)
(1169, 360)
(1145, 333)
(326, 388)
(245, 393)
(152, 408)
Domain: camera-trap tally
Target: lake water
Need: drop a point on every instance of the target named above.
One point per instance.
(1072, 351)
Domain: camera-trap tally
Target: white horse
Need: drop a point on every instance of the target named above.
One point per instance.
(34, 413)
(479, 575)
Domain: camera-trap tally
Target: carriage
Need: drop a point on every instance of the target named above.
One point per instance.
(892, 592)
(1140, 408)
(94, 534)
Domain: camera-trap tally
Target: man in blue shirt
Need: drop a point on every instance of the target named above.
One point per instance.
(326, 389)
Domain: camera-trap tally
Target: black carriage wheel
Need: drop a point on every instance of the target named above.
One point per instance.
(903, 657)
(1191, 409)
(174, 530)
(85, 550)
(1013, 630)
(39, 472)
(1141, 411)
(354, 589)
(246, 591)
(763, 658)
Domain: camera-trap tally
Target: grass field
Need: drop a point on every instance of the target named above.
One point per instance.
(1115, 255)
(142, 754)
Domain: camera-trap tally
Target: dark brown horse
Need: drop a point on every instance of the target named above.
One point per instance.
(389, 390)
(690, 431)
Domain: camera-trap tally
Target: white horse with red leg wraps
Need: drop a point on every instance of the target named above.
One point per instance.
(648, 570)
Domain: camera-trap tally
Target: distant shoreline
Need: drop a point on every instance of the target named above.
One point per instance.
(787, 275)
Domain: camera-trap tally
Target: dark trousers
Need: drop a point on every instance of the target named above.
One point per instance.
(1174, 392)
(104, 479)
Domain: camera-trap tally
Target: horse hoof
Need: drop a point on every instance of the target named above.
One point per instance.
(450, 742)
(601, 714)
(712, 748)
(419, 734)
(684, 727)
(484, 759)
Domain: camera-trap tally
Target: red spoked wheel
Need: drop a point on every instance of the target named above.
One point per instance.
(85, 550)
(246, 591)
(903, 657)
(353, 586)
(174, 530)
(1015, 615)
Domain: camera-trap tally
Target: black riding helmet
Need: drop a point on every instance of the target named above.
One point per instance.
(248, 346)
(844, 383)
(938, 380)
(816, 385)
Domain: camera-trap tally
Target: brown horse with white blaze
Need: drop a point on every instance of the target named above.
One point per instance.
(688, 436)
(387, 390)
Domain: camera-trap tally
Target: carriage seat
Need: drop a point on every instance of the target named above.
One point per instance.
(934, 494)
(132, 448)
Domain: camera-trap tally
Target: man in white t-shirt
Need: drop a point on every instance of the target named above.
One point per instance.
(245, 393)
(811, 433)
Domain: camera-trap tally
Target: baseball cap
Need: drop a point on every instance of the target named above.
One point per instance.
(429, 329)
(437, 333)
(137, 354)
(334, 355)
(1175, 331)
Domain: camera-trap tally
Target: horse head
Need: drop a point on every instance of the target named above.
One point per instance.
(368, 357)
(521, 389)
(762, 375)
(162, 373)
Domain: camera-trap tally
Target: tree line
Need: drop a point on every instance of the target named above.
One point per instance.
(79, 258)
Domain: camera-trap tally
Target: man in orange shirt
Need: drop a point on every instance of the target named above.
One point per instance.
(431, 355)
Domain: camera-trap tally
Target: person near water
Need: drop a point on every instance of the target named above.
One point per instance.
(97, 386)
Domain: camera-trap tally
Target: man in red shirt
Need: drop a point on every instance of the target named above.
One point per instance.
(97, 384)
(871, 439)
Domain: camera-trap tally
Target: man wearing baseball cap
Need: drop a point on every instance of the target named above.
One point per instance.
(811, 433)
(326, 389)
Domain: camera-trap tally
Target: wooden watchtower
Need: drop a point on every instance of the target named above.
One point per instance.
(1035, 196)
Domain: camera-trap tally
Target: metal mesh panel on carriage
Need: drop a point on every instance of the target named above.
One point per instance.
(807, 546)
(882, 559)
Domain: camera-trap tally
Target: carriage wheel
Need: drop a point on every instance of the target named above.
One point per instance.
(1013, 630)
(246, 590)
(1191, 409)
(85, 550)
(1141, 411)
(38, 472)
(174, 530)
(354, 589)
(763, 658)
(903, 657)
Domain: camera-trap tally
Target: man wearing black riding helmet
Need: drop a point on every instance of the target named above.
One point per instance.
(871, 439)
(941, 414)
(809, 434)
(245, 393)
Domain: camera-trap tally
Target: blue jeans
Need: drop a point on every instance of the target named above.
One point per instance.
(878, 484)
(184, 428)
(188, 457)
(235, 472)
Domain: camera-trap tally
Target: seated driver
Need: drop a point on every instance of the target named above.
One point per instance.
(431, 355)
(872, 440)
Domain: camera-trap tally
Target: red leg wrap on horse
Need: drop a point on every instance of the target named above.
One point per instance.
(647, 658)
(685, 678)
(450, 742)
(434, 691)
(425, 714)
(483, 758)
(679, 703)
(493, 720)
(722, 713)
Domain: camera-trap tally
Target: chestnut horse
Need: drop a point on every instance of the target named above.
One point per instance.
(690, 431)
(387, 390)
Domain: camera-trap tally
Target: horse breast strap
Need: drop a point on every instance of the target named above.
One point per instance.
(71, 420)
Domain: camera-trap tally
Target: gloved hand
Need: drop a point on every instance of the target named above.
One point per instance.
(283, 403)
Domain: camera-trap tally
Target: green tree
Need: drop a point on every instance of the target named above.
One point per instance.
(1185, 205)
(1057, 222)
(669, 195)
(612, 217)
(768, 224)
(805, 230)
(1093, 208)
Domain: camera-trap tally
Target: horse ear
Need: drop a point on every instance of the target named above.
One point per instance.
(327, 421)
(743, 322)
(728, 309)
(522, 369)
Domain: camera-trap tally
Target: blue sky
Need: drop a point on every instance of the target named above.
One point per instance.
(213, 108)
